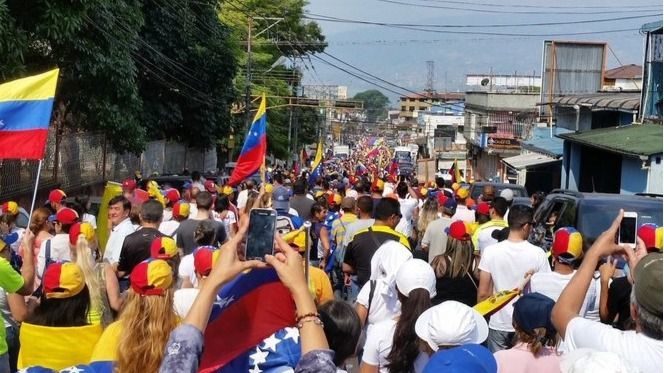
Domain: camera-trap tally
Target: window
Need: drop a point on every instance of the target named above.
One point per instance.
(422, 108)
(412, 108)
(403, 108)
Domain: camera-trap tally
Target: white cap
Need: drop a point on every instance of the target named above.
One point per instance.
(508, 194)
(451, 323)
(352, 193)
(589, 360)
(416, 274)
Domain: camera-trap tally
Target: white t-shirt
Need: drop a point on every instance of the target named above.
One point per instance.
(168, 215)
(187, 270)
(19, 231)
(640, 351)
(435, 237)
(242, 198)
(382, 307)
(227, 221)
(60, 251)
(116, 239)
(408, 206)
(183, 299)
(507, 262)
(463, 213)
(552, 284)
(379, 344)
(484, 238)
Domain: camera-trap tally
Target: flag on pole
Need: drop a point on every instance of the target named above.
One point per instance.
(252, 156)
(317, 164)
(25, 112)
(455, 172)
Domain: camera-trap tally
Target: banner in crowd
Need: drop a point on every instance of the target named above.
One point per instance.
(252, 156)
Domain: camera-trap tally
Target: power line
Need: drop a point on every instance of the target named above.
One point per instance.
(542, 6)
(496, 11)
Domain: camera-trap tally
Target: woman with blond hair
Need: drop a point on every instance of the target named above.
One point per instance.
(81, 239)
(40, 227)
(135, 343)
(454, 269)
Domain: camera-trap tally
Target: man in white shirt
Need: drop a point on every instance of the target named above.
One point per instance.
(503, 266)
(57, 248)
(243, 196)
(463, 212)
(434, 241)
(641, 348)
(118, 214)
(408, 202)
(482, 237)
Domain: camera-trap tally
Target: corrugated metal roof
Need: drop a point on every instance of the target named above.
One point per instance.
(625, 101)
(652, 26)
(529, 160)
(633, 140)
(543, 142)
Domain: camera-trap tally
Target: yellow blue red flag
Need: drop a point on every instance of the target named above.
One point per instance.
(25, 112)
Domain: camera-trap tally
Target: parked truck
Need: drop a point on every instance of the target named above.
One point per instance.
(406, 158)
(341, 151)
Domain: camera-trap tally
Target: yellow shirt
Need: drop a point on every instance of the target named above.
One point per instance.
(56, 348)
(319, 285)
(107, 346)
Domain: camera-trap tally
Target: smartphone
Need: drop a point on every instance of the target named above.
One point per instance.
(627, 232)
(260, 235)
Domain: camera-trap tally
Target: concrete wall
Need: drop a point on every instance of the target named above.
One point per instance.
(566, 118)
(499, 100)
(632, 178)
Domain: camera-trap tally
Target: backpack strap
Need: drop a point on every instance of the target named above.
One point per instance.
(372, 290)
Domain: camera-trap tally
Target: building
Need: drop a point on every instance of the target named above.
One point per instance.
(492, 82)
(412, 104)
(624, 78)
(651, 95)
(325, 92)
(441, 133)
(494, 125)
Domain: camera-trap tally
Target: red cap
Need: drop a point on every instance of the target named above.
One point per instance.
(140, 196)
(78, 229)
(442, 198)
(172, 195)
(151, 277)
(210, 186)
(65, 216)
(204, 259)
(483, 208)
(56, 196)
(163, 248)
(458, 231)
(129, 184)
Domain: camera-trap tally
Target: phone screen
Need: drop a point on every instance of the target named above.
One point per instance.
(260, 236)
(628, 230)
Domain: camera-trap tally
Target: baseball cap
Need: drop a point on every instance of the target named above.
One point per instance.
(281, 198)
(442, 198)
(204, 259)
(172, 195)
(567, 244)
(416, 274)
(377, 185)
(651, 235)
(64, 216)
(348, 203)
(56, 196)
(508, 194)
(129, 184)
(458, 231)
(9, 208)
(210, 186)
(181, 209)
(451, 323)
(227, 190)
(151, 277)
(648, 283)
(483, 208)
(450, 204)
(163, 248)
(334, 199)
(533, 311)
(462, 193)
(78, 229)
(62, 280)
(470, 358)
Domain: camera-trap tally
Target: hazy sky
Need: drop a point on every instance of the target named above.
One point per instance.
(399, 55)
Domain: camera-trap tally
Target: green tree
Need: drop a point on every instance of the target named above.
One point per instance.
(375, 104)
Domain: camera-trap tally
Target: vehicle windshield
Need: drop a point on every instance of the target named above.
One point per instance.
(518, 190)
(596, 216)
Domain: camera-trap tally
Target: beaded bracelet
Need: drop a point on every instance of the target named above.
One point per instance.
(310, 314)
(312, 319)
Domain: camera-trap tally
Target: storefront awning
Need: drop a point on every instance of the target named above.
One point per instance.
(529, 160)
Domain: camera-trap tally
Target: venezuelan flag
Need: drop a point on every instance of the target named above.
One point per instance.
(317, 164)
(252, 156)
(25, 112)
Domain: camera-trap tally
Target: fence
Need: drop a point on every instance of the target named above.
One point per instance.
(75, 161)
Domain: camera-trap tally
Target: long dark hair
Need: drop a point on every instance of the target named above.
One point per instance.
(342, 329)
(65, 312)
(405, 343)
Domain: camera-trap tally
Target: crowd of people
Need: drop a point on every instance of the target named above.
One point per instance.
(385, 279)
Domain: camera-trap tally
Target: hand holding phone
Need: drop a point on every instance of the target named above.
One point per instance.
(627, 231)
(260, 234)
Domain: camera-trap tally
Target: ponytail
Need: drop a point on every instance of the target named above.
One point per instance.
(405, 343)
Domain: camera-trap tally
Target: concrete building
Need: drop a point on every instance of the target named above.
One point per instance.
(494, 125)
(440, 134)
(623, 78)
(412, 104)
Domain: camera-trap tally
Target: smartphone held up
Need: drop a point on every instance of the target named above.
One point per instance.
(260, 235)
(627, 231)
